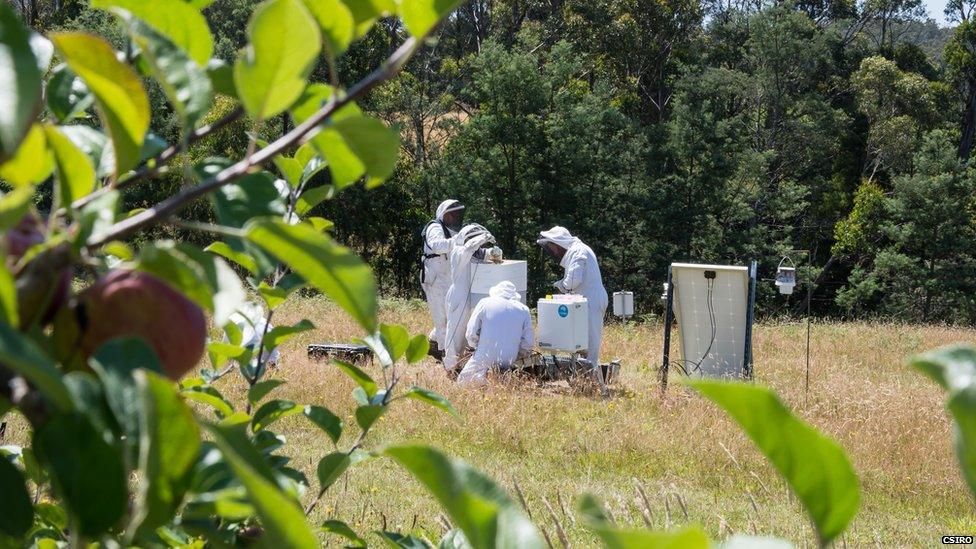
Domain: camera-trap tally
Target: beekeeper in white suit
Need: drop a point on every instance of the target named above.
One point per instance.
(435, 271)
(500, 331)
(251, 320)
(470, 247)
(581, 275)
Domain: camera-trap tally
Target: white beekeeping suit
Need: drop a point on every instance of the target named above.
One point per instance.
(469, 240)
(436, 269)
(500, 330)
(250, 319)
(581, 275)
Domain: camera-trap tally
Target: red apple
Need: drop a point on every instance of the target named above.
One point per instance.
(136, 304)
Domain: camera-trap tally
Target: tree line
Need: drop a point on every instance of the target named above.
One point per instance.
(837, 132)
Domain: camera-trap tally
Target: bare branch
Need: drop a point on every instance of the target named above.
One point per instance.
(155, 165)
(178, 201)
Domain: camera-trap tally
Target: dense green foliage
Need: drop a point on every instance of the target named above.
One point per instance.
(669, 131)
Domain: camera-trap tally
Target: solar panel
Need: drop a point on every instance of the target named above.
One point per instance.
(712, 313)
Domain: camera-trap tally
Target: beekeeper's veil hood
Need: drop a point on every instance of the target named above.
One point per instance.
(449, 205)
(557, 235)
(505, 289)
(473, 230)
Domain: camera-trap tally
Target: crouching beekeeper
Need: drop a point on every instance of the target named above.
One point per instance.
(500, 331)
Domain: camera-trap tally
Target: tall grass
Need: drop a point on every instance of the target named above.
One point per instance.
(689, 460)
(655, 461)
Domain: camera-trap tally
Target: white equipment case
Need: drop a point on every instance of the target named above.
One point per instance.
(563, 323)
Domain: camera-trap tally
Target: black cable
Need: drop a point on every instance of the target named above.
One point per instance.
(696, 366)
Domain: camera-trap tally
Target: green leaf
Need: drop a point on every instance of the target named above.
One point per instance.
(179, 22)
(169, 447)
(400, 541)
(185, 83)
(89, 399)
(67, 95)
(290, 169)
(432, 398)
(376, 145)
(335, 22)
(360, 377)
(331, 467)
(320, 224)
(222, 78)
(815, 466)
(86, 472)
(396, 339)
(330, 268)
(16, 511)
(226, 291)
(14, 206)
(325, 420)
(342, 529)
(207, 280)
(114, 363)
(421, 16)
(215, 401)
(280, 334)
(367, 415)
(32, 162)
(272, 411)
(261, 389)
(312, 198)
(120, 250)
(365, 12)
(255, 195)
(23, 356)
(478, 506)
(121, 100)
(52, 515)
(283, 521)
(270, 73)
(94, 144)
(954, 368)
(417, 350)
(306, 153)
(8, 298)
(224, 250)
(76, 174)
(20, 101)
(356, 146)
(615, 538)
(273, 296)
(96, 218)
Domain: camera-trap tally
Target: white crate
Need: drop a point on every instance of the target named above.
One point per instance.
(563, 324)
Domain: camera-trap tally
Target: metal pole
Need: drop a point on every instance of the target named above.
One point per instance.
(668, 317)
(747, 369)
(806, 386)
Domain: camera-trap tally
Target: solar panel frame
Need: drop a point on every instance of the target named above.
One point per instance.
(727, 354)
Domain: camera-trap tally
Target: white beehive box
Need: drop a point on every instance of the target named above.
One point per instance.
(484, 275)
(563, 324)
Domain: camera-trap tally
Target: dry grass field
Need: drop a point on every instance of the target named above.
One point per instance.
(690, 460)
